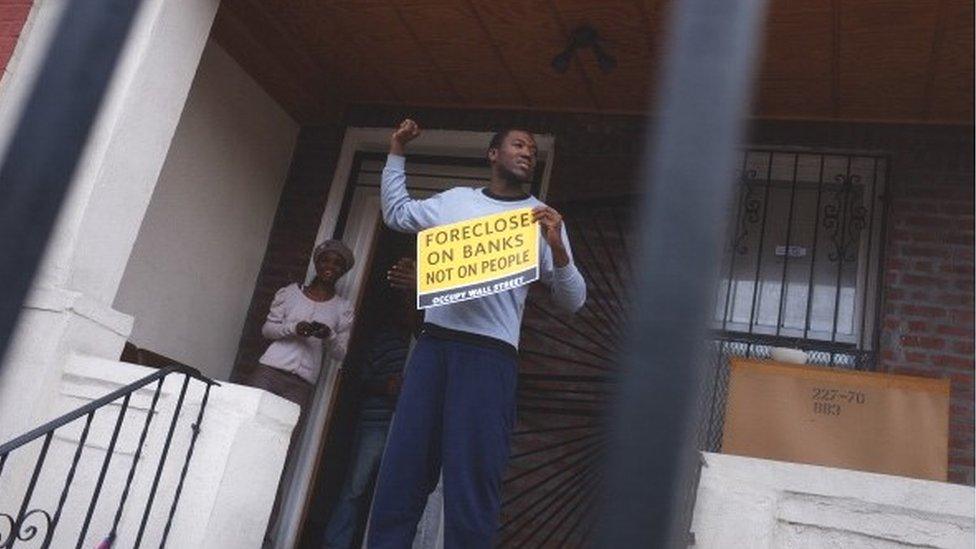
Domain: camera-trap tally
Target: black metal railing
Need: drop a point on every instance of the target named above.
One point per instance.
(29, 521)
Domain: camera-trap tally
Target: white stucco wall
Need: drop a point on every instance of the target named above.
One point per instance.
(192, 271)
(749, 502)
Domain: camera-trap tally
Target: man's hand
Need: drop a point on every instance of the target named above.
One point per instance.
(551, 224)
(403, 274)
(407, 131)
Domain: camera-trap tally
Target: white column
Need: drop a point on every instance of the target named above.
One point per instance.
(69, 311)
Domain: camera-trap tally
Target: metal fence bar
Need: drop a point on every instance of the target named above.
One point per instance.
(49, 137)
(708, 75)
(101, 475)
(732, 252)
(135, 459)
(813, 254)
(762, 241)
(783, 295)
(68, 481)
(25, 502)
(186, 466)
(867, 269)
(162, 462)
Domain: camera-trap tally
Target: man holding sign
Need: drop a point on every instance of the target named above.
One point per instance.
(457, 404)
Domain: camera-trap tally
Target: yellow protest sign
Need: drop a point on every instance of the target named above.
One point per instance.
(477, 257)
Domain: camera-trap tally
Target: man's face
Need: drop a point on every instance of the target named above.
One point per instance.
(330, 266)
(515, 158)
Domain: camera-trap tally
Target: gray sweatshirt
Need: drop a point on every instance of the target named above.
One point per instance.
(498, 316)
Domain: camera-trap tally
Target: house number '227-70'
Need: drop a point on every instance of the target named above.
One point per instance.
(828, 401)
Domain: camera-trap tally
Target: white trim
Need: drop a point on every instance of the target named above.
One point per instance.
(359, 235)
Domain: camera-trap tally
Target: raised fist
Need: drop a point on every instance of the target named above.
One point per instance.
(407, 131)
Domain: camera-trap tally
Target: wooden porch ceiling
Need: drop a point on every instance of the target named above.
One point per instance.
(869, 60)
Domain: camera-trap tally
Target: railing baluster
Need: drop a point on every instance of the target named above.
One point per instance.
(186, 465)
(162, 462)
(15, 534)
(68, 480)
(101, 474)
(135, 458)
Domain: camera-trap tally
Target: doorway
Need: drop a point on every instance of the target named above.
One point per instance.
(439, 159)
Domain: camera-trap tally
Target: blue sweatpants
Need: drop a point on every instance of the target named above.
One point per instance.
(454, 417)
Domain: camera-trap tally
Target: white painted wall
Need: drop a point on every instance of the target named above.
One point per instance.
(192, 271)
(749, 502)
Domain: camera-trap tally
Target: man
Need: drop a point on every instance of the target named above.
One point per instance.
(396, 322)
(457, 404)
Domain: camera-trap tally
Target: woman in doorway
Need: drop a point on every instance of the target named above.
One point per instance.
(305, 324)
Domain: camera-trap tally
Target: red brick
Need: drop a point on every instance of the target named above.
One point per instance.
(900, 235)
(925, 236)
(954, 300)
(953, 330)
(917, 357)
(932, 343)
(922, 311)
(958, 239)
(962, 347)
(961, 475)
(961, 458)
(894, 294)
(957, 268)
(919, 280)
(895, 264)
(918, 326)
(953, 362)
(14, 11)
(921, 296)
(956, 208)
(961, 318)
(922, 251)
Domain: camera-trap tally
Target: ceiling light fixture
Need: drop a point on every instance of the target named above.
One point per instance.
(584, 37)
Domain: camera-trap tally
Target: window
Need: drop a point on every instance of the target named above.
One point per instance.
(801, 265)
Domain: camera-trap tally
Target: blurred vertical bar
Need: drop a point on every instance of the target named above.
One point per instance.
(49, 138)
(689, 165)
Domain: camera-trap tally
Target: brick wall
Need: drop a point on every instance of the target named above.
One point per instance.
(927, 320)
(13, 15)
(928, 317)
(929, 282)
